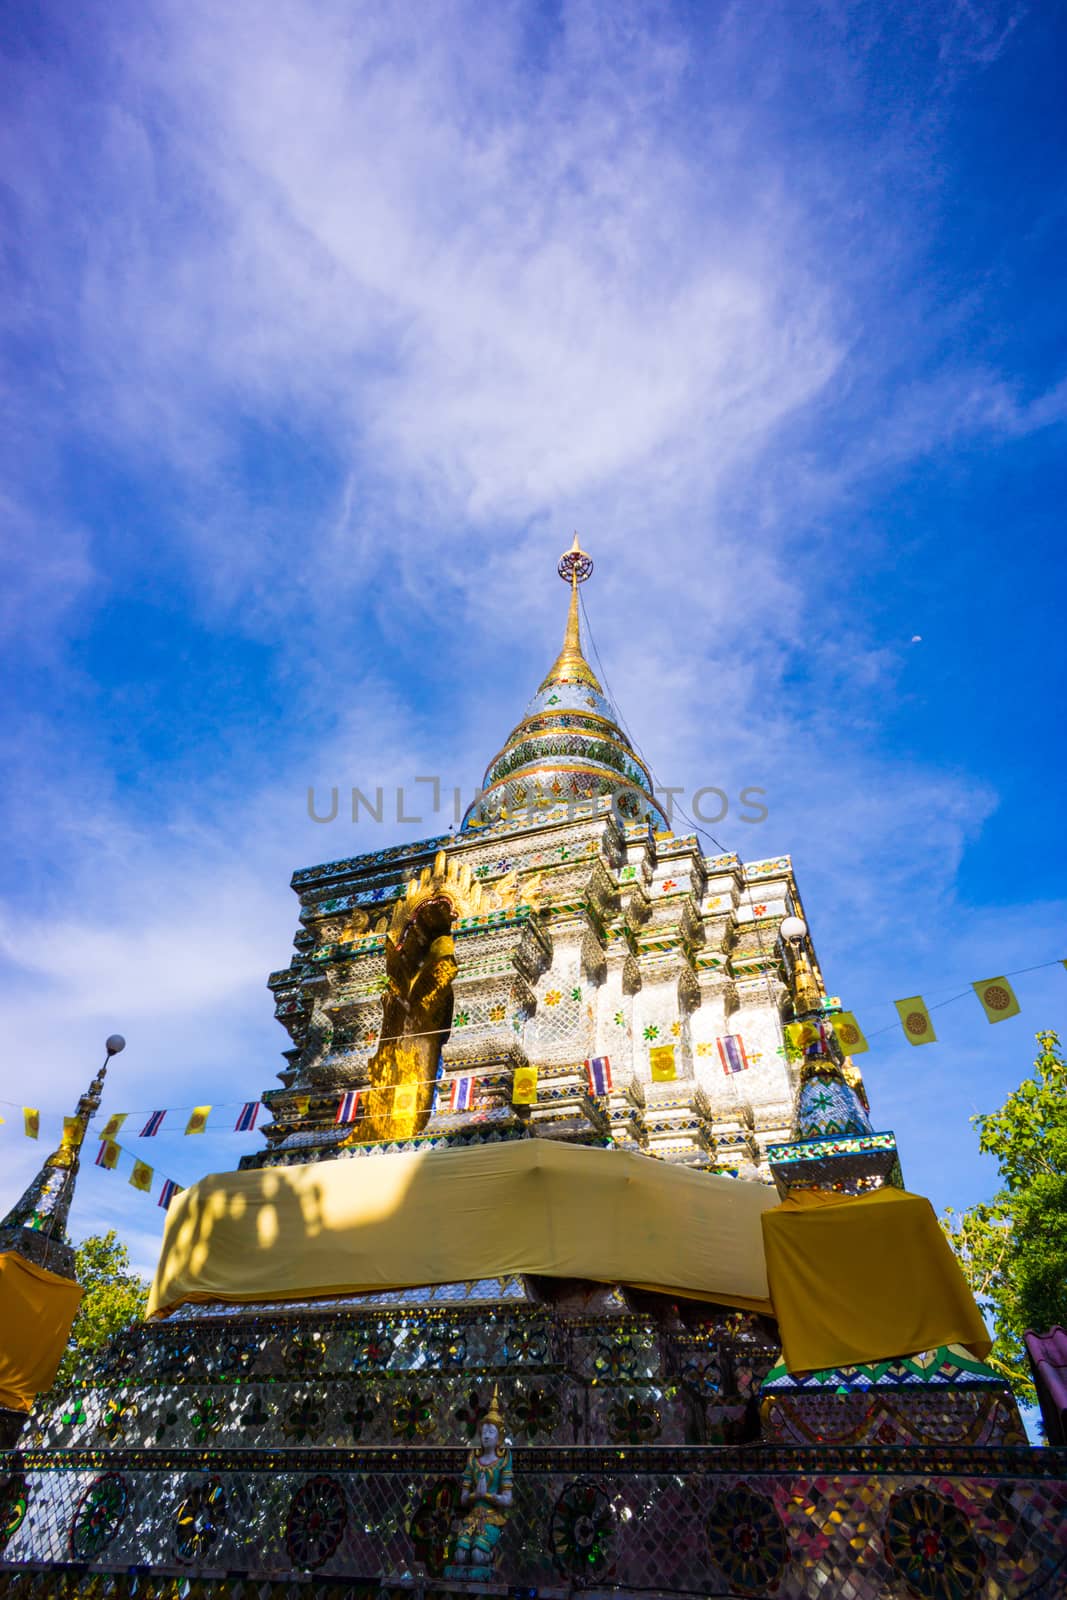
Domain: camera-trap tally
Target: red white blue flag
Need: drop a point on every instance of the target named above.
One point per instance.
(346, 1111)
(153, 1125)
(732, 1053)
(462, 1096)
(598, 1071)
(247, 1119)
(168, 1191)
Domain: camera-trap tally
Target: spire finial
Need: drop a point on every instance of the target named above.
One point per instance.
(570, 665)
(575, 565)
(36, 1225)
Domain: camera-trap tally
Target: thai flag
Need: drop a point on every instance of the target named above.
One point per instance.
(346, 1111)
(153, 1125)
(598, 1070)
(247, 1120)
(168, 1191)
(462, 1097)
(732, 1053)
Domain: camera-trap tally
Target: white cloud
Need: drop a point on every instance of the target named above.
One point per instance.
(491, 288)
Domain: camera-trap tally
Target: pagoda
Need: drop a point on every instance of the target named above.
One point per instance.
(563, 1264)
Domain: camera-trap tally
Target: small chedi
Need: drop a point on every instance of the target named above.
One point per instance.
(563, 1265)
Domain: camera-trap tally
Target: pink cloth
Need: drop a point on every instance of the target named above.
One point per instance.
(1048, 1357)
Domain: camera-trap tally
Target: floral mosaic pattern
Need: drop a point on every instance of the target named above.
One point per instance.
(581, 1531)
(315, 1526)
(930, 1542)
(200, 1519)
(97, 1518)
(431, 1524)
(747, 1541)
(13, 1501)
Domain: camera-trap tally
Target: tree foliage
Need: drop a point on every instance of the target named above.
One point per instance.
(114, 1297)
(1013, 1249)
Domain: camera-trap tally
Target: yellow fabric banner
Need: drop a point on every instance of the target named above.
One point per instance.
(801, 1034)
(861, 1278)
(111, 1127)
(73, 1131)
(37, 1308)
(198, 1121)
(141, 1176)
(447, 1216)
(31, 1122)
(997, 997)
(661, 1062)
(849, 1033)
(849, 1279)
(108, 1155)
(404, 1099)
(524, 1086)
(915, 1020)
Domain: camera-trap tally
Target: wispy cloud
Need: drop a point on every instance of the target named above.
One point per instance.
(331, 322)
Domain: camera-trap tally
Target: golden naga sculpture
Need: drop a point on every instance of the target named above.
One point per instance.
(420, 965)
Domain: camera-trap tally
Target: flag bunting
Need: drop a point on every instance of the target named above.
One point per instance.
(347, 1107)
(915, 1020)
(598, 1073)
(461, 1097)
(662, 1064)
(524, 1086)
(732, 1053)
(141, 1176)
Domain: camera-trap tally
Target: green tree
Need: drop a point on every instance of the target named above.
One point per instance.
(1013, 1249)
(114, 1297)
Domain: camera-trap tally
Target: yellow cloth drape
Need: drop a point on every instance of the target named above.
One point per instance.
(37, 1308)
(849, 1279)
(862, 1278)
(531, 1205)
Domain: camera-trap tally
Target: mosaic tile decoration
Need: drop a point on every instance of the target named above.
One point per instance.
(617, 1521)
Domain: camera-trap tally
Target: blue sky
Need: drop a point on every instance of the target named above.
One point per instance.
(322, 327)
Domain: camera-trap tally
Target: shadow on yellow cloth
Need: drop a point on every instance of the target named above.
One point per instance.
(36, 1310)
(450, 1216)
(859, 1278)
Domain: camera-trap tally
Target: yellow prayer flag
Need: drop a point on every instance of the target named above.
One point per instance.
(849, 1033)
(113, 1124)
(801, 1034)
(302, 1105)
(2, 1121)
(661, 1061)
(31, 1121)
(915, 1020)
(108, 1157)
(141, 1176)
(198, 1121)
(403, 1099)
(997, 997)
(73, 1131)
(524, 1086)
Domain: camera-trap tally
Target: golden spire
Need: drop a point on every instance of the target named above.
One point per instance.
(570, 665)
(807, 992)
